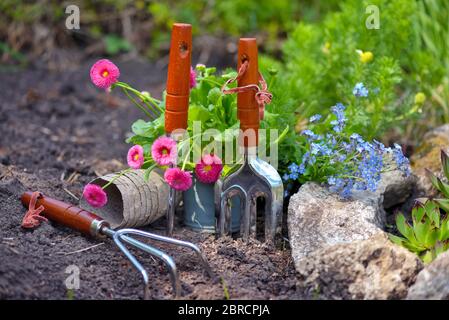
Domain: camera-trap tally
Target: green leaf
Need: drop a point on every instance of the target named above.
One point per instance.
(437, 183)
(280, 138)
(114, 44)
(227, 170)
(444, 230)
(439, 248)
(417, 214)
(433, 178)
(443, 204)
(405, 229)
(433, 212)
(198, 113)
(414, 247)
(214, 96)
(397, 240)
(152, 129)
(427, 257)
(430, 205)
(143, 141)
(421, 231)
(445, 163)
(146, 174)
(432, 237)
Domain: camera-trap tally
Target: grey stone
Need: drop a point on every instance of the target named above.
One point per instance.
(317, 217)
(395, 188)
(433, 281)
(369, 269)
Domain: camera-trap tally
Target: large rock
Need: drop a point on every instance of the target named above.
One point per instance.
(427, 155)
(369, 269)
(394, 188)
(317, 217)
(433, 281)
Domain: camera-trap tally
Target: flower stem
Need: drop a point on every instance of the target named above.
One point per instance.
(210, 81)
(144, 98)
(137, 104)
(116, 177)
(187, 156)
(124, 172)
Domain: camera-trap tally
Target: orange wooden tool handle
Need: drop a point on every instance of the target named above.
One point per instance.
(247, 107)
(64, 213)
(178, 78)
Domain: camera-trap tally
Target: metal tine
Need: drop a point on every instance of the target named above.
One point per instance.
(181, 243)
(168, 260)
(225, 219)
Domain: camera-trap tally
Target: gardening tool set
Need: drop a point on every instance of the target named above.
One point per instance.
(90, 224)
(130, 205)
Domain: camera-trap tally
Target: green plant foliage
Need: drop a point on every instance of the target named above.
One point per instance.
(215, 111)
(280, 113)
(115, 44)
(431, 57)
(227, 17)
(428, 235)
(152, 20)
(438, 183)
(324, 62)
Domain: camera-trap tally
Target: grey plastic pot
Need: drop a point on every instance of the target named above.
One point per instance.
(199, 208)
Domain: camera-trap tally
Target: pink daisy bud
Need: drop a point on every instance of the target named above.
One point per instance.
(164, 151)
(95, 195)
(135, 157)
(192, 78)
(178, 179)
(208, 169)
(104, 73)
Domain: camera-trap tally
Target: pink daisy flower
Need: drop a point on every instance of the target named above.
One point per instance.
(104, 73)
(192, 78)
(135, 157)
(208, 169)
(178, 179)
(95, 195)
(164, 151)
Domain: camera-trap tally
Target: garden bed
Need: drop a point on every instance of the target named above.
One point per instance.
(58, 132)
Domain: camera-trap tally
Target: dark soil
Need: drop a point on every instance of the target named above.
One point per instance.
(57, 132)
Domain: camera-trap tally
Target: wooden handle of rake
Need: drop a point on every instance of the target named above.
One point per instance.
(247, 107)
(64, 213)
(178, 78)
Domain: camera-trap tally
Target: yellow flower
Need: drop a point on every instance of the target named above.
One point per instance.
(420, 98)
(366, 56)
(326, 47)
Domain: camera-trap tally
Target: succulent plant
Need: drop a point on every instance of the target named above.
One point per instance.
(438, 184)
(428, 235)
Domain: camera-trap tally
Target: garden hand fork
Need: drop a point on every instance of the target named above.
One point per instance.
(177, 99)
(255, 178)
(90, 224)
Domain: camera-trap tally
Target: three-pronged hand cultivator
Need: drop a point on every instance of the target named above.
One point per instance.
(90, 224)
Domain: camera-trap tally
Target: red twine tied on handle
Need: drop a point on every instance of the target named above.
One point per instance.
(32, 218)
(263, 96)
